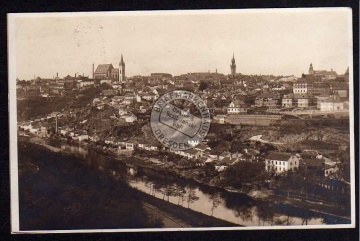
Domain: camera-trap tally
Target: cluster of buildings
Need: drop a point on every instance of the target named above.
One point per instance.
(310, 160)
(225, 94)
(233, 98)
(201, 155)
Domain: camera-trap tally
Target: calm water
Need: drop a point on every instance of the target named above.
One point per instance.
(233, 207)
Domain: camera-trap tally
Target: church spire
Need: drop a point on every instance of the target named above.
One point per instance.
(233, 66)
(121, 60)
(122, 77)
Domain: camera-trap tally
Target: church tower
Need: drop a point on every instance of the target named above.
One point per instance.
(311, 69)
(233, 66)
(122, 77)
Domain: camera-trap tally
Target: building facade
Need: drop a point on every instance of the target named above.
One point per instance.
(108, 72)
(281, 162)
(237, 107)
(324, 74)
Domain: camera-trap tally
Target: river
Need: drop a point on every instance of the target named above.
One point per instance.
(233, 207)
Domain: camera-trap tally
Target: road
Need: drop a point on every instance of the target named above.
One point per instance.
(168, 220)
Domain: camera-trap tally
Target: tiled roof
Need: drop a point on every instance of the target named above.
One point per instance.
(279, 156)
(309, 153)
(225, 153)
(302, 96)
(332, 100)
(226, 161)
(313, 162)
(103, 68)
(268, 95)
(115, 71)
(239, 103)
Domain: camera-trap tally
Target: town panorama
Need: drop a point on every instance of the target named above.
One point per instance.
(181, 120)
(277, 152)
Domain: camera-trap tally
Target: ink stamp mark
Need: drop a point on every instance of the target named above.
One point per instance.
(177, 128)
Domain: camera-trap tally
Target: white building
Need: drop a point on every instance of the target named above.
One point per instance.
(106, 81)
(220, 119)
(130, 118)
(237, 107)
(332, 104)
(287, 101)
(83, 137)
(281, 162)
(301, 87)
(85, 83)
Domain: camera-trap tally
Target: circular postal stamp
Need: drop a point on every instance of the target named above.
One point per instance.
(180, 120)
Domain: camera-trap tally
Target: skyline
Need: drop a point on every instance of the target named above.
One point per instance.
(179, 42)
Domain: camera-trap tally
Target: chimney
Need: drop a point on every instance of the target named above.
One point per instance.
(93, 71)
(75, 75)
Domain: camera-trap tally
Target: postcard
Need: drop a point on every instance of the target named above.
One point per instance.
(181, 120)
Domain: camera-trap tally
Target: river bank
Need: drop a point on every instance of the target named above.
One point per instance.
(258, 195)
(186, 215)
(48, 174)
(322, 208)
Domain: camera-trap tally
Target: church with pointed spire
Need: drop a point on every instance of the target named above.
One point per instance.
(233, 66)
(122, 77)
(108, 72)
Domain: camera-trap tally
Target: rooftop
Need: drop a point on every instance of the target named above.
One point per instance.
(103, 68)
(279, 156)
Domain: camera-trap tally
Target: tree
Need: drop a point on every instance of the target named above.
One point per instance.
(216, 200)
(245, 172)
(169, 191)
(180, 192)
(237, 146)
(191, 196)
(203, 85)
(222, 146)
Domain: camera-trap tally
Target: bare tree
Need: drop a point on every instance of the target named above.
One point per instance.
(216, 200)
(191, 196)
(180, 192)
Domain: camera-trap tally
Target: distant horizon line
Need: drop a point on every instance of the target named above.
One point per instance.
(149, 75)
(164, 72)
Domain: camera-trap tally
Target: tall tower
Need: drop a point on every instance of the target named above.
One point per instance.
(122, 70)
(311, 69)
(233, 66)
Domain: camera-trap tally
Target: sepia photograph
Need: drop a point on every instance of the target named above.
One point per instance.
(185, 120)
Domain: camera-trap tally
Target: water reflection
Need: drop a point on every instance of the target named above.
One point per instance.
(77, 150)
(233, 207)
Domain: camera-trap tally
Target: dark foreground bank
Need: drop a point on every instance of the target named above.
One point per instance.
(61, 192)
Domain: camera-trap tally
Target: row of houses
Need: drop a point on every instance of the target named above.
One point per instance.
(202, 153)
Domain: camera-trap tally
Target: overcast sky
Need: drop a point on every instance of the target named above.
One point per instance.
(279, 42)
